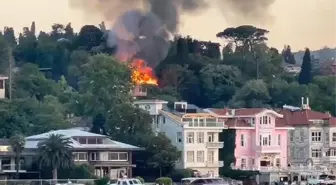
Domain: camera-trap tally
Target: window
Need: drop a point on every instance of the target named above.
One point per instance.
(265, 140)
(277, 162)
(269, 120)
(1, 84)
(201, 122)
(252, 121)
(211, 156)
(113, 156)
(117, 156)
(243, 163)
(316, 136)
(195, 122)
(265, 120)
(123, 156)
(333, 137)
(200, 156)
(279, 139)
(94, 156)
(242, 140)
(91, 141)
(260, 120)
(190, 137)
(327, 137)
(331, 152)
(211, 137)
(190, 156)
(291, 135)
(82, 140)
(80, 156)
(179, 137)
(200, 137)
(252, 162)
(316, 153)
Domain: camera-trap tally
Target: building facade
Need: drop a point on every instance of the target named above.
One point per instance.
(261, 138)
(192, 130)
(313, 140)
(109, 158)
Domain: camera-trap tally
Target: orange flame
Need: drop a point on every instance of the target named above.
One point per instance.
(142, 74)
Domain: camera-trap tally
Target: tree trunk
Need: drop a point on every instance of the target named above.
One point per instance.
(17, 166)
(54, 172)
(160, 171)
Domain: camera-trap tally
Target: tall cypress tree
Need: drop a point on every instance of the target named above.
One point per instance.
(305, 76)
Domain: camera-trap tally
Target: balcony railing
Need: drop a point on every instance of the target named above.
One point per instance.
(215, 163)
(308, 169)
(205, 124)
(12, 167)
(215, 144)
(268, 149)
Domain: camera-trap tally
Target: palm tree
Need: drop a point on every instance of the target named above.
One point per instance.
(17, 142)
(55, 152)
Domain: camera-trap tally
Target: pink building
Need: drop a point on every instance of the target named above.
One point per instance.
(261, 137)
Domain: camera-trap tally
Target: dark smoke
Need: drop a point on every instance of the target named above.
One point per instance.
(142, 28)
(246, 11)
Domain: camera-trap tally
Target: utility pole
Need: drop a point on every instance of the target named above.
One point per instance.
(10, 72)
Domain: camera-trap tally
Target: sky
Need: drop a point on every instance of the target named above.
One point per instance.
(299, 23)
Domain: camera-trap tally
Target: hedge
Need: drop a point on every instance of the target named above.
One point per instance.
(164, 181)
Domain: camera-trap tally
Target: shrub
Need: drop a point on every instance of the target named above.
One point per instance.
(102, 181)
(140, 179)
(179, 174)
(164, 181)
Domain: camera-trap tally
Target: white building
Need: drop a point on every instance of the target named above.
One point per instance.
(109, 158)
(193, 131)
(2, 86)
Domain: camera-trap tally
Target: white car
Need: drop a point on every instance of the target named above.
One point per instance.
(127, 182)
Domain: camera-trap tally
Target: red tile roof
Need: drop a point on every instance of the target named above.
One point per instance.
(236, 122)
(302, 117)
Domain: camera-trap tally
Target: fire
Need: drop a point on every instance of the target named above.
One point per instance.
(142, 74)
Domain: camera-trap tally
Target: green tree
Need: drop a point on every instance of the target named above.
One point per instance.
(305, 76)
(254, 93)
(55, 152)
(17, 143)
(219, 82)
(104, 84)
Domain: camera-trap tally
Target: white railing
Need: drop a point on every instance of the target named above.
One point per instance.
(309, 169)
(205, 124)
(214, 163)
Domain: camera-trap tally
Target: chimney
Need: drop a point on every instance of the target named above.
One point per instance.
(302, 101)
(232, 112)
(307, 101)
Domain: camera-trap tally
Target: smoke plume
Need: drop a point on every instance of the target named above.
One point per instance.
(142, 28)
(246, 11)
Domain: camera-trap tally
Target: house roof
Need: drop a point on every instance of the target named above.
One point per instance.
(238, 112)
(73, 132)
(237, 122)
(32, 141)
(304, 116)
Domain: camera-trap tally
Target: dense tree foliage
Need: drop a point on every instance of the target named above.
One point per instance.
(59, 74)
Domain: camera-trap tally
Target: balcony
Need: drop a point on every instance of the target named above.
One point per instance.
(268, 149)
(216, 164)
(12, 168)
(219, 125)
(215, 144)
(293, 169)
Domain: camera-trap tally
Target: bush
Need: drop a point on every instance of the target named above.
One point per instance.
(177, 175)
(102, 181)
(140, 179)
(164, 181)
